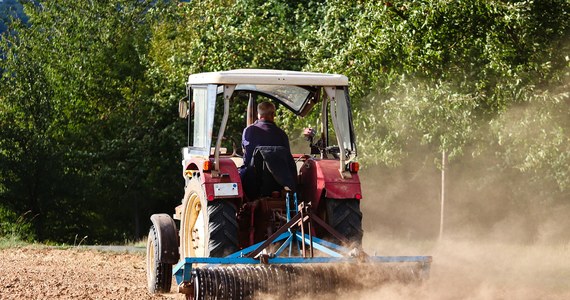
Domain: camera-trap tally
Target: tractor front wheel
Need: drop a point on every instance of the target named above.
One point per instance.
(344, 216)
(159, 275)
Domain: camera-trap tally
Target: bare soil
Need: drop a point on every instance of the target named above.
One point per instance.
(46, 273)
(461, 270)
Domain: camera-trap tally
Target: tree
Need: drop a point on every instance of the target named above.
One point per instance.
(434, 72)
(89, 89)
(217, 35)
(10, 9)
(87, 148)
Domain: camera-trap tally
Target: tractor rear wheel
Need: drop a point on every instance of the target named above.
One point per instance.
(159, 275)
(207, 228)
(344, 216)
(223, 228)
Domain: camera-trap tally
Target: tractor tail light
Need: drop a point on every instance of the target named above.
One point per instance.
(208, 165)
(353, 167)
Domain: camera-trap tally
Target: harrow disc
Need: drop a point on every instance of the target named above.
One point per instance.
(284, 281)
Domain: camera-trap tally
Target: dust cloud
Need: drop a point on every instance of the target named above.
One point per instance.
(471, 269)
(503, 237)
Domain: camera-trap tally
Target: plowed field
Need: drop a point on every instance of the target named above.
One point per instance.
(461, 270)
(46, 273)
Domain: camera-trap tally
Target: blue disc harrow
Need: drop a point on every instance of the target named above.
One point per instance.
(301, 265)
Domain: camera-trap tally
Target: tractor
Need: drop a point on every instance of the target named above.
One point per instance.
(300, 224)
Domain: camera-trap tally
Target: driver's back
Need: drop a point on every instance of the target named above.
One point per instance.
(274, 170)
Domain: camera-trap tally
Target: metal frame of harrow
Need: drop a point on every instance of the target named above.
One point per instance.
(288, 232)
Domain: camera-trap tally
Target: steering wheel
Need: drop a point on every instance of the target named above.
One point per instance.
(334, 150)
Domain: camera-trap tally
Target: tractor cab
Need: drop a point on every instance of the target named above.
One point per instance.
(219, 105)
(217, 101)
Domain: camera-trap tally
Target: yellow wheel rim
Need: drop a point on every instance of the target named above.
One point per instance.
(194, 234)
(150, 265)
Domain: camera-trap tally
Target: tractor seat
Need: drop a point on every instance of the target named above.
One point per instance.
(274, 168)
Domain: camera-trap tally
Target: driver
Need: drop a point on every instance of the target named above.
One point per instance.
(263, 132)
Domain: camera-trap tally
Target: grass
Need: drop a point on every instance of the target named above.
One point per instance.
(141, 243)
(12, 241)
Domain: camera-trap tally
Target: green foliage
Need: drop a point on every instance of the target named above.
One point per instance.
(417, 113)
(11, 242)
(15, 228)
(534, 138)
(432, 73)
(219, 35)
(90, 140)
(85, 146)
(435, 72)
(9, 10)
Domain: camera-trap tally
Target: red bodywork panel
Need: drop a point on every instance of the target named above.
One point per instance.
(320, 178)
(229, 174)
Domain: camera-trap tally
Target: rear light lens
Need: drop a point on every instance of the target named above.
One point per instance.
(358, 196)
(353, 167)
(208, 165)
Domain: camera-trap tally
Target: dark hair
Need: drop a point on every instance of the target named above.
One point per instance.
(266, 109)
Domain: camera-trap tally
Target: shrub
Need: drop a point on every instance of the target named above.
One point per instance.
(16, 226)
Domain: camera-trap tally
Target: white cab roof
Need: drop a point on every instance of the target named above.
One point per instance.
(268, 77)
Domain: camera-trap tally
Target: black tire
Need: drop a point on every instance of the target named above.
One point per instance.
(223, 228)
(345, 217)
(159, 275)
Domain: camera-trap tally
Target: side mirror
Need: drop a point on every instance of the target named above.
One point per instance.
(183, 111)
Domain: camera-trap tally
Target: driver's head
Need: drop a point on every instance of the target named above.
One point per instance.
(266, 111)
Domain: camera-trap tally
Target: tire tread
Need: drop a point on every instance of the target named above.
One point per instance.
(162, 281)
(344, 216)
(223, 228)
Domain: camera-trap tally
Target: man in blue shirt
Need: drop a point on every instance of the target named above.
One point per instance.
(264, 132)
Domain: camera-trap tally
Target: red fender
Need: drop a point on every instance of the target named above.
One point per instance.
(321, 178)
(229, 174)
